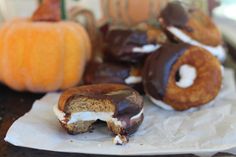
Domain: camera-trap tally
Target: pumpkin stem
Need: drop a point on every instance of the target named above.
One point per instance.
(49, 10)
(63, 9)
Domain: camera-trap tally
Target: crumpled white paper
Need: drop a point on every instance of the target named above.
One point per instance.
(206, 130)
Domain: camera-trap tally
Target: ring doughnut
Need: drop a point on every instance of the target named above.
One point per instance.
(119, 106)
(192, 26)
(181, 76)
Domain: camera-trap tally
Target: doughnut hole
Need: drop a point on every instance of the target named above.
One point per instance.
(187, 75)
(177, 76)
(207, 83)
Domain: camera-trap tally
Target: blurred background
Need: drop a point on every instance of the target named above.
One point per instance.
(11, 8)
(24, 8)
(222, 11)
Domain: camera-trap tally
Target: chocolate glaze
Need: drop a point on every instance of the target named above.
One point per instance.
(120, 44)
(109, 73)
(104, 29)
(158, 67)
(127, 101)
(105, 73)
(175, 15)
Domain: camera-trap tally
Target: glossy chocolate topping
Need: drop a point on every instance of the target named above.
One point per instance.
(158, 67)
(127, 103)
(120, 44)
(105, 73)
(175, 15)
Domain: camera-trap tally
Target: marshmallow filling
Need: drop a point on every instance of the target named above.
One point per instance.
(217, 51)
(160, 103)
(133, 79)
(146, 48)
(91, 116)
(167, 107)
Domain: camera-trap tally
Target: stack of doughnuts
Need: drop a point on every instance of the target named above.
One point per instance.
(187, 72)
(125, 52)
(176, 64)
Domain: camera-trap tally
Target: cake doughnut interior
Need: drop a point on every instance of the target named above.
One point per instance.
(181, 76)
(119, 106)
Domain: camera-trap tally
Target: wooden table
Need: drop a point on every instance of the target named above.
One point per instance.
(15, 104)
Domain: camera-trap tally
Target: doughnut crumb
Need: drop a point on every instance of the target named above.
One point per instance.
(120, 139)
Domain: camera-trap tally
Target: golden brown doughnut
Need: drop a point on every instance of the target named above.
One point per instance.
(162, 76)
(193, 22)
(132, 45)
(118, 105)
(204, 30)
(192, 26)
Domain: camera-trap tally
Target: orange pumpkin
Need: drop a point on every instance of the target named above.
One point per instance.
(42, 56)
(131, 12)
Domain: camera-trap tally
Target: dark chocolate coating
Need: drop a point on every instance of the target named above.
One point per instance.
(158, 67)
(120, 44)
(105, 73)
(104, 30)
(126, 100)
(174, 14)
(109, 73)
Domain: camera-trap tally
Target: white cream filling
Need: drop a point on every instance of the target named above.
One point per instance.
(137, 115)
(91, 116)
(160, 103)
(133, 79)
(222, 70)
(146, 48)
(60, 115)
(217, 51)
(187, 74)
(165, 106)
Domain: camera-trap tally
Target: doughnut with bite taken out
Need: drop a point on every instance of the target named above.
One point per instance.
(118, 105)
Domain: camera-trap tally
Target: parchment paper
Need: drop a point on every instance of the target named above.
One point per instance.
(206, 130)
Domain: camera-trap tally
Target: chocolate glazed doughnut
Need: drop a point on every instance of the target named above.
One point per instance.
(192, 26)
(97, 72)
(181, 76)
(119, 106)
